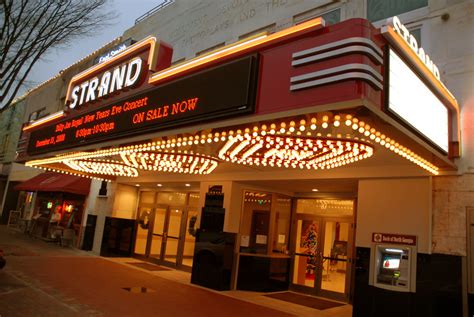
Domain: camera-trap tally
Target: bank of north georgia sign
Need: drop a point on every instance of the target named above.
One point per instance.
(123, 76)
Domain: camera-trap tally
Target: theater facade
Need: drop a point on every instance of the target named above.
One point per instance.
(301, 159)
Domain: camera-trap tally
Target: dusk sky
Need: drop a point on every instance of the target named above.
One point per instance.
(127, 11)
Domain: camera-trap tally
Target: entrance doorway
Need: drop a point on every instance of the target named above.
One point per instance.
(166, 232)
(323, 237)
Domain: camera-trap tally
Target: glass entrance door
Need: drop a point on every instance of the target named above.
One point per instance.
(166, 232)
(158, 232)
(335, 256)
(145, 216)
(307, 256)
(189, 237)
(172, 235)
(322, 248)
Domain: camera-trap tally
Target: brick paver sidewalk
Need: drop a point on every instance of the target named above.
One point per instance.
(41, 281)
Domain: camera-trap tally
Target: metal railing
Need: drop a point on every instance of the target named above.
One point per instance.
(154, 10)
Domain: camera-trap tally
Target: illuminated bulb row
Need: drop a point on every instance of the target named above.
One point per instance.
(108, 167)
(260, 201)
(301, 128)
(286, 151)
(255, 194)
(170, 162)
(48, 169)
(324, 204)
(390, 144)
(298, 126)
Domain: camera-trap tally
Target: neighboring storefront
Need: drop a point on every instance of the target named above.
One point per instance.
(52, 203)
(301, 159)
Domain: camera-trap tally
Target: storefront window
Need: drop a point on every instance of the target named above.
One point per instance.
(325, 207)
(282, 224)
(255, 222)
(265, 223)
(193, 200)
(147, 197)
(172, 198)
(55, 213)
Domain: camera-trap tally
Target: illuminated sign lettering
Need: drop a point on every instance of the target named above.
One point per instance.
(207, 95)
(126, 69)
(411, 41)
(112, 53)
(121, 77)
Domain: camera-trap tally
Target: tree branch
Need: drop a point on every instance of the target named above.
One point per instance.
(31, 28)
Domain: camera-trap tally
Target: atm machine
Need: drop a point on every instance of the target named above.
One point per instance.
(394, 267)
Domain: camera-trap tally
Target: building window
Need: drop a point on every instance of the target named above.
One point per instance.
(269, 29)
(330, 17)
(38, 114)
(382, 9)
(4, 144)
(416, 32)
(210, 49)
(33, 116)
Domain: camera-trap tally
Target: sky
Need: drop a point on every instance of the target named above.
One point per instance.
(56, 60)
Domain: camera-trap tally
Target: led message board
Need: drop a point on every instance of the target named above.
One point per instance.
(410, 99)
(222, 91)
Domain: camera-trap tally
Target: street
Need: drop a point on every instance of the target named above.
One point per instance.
(42, 279)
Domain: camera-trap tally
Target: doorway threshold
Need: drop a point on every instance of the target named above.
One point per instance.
(305, 300)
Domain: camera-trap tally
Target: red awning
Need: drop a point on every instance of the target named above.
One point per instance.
(54, 182)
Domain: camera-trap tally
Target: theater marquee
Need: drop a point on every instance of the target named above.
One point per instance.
(304, 84)
(208, 94)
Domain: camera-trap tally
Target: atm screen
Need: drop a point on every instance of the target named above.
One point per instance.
(391, 263)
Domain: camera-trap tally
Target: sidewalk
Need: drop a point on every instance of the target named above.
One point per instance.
(41, 279)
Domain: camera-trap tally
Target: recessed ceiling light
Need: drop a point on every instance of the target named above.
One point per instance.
(159, 185)
(138, 185)
(315, 190)
(187, 185)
